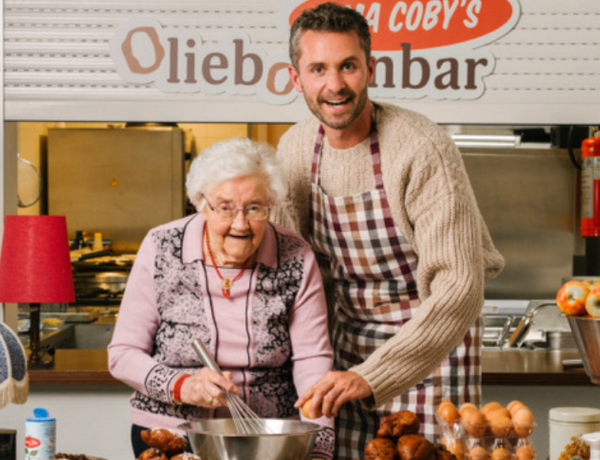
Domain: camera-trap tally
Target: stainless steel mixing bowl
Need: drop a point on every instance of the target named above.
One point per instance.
(217, 439)
(586, 332)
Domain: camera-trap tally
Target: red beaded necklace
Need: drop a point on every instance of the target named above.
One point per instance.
(226, 283)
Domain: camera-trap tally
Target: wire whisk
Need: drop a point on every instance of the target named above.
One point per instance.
(246, 421)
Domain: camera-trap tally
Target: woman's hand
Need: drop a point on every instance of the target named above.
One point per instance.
(205, 388)
(334, 389)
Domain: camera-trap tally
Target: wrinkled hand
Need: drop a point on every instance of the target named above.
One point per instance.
(333, 390)
(205, 388)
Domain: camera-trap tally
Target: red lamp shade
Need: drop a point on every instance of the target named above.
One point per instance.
(35, 264)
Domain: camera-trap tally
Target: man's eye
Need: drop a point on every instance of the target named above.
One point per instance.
(348, 67)
(317, 69)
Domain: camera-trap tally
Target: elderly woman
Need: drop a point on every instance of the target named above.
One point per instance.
(249, 289)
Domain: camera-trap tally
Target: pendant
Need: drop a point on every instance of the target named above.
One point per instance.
(225, 287)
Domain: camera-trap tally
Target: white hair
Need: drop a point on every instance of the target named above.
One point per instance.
(231, 159)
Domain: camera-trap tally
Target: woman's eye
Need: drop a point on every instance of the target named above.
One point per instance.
(254, 208)
(224, 207)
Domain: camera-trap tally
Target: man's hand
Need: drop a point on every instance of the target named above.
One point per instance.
(333, 390)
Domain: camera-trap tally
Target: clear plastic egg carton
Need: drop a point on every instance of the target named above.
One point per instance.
(492, 433)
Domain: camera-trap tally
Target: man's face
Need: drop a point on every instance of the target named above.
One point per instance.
(333, 74)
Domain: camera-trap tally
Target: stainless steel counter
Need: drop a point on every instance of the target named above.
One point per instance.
(56, 338)
(531, 367)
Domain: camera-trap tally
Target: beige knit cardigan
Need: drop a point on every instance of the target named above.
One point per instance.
(433, 205)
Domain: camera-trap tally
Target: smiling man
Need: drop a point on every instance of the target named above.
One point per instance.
(382, 195)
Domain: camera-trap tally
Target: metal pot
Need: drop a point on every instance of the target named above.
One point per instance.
(586, 332)
(217, 439)
(99, 282)
(560, 340)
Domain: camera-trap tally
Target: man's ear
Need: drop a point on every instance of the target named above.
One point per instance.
(295, 78)
(371, 65)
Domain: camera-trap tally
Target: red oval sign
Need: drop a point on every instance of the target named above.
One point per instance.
(427, 24)
(31, 442)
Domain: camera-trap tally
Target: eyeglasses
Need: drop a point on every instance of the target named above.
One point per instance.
(228, 212)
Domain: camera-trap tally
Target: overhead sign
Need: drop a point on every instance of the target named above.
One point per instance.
(423, 48)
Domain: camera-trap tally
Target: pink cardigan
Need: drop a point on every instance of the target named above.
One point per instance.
(271, 334)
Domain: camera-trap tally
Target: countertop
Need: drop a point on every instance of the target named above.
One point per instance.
(514, 367)
(531, 367)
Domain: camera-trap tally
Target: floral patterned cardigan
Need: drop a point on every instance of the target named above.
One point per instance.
(271, 334)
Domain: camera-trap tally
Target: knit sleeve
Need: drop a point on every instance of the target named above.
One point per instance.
(129, 353)
(294, 155)
(446, 234)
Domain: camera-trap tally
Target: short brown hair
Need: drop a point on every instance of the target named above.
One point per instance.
(329, 17)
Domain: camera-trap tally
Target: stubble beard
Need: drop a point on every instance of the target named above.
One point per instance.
(315, 104)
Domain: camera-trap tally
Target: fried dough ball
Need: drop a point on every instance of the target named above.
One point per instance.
(398, 424)
(152, 454)
(381, 449)
(169, 442)
(415, 447)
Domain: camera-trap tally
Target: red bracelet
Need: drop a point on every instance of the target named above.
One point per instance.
(177, 387)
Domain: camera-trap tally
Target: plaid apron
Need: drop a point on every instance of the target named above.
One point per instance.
(374, 270)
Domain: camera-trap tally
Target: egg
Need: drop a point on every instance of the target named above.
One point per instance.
(490, 407)
(455, 447)
(515, 406)
(523, 422)
(448, 413)
(496, 413)
(445, 402)
(501, 454)
(474, 422)
(306, 409)
(478, 453)
(525, 452)
(467, 405)
(500, 426)
(512, 403)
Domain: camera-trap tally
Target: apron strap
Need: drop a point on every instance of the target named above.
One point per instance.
(373, 145)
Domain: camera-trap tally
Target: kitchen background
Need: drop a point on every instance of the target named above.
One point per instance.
(524, 179)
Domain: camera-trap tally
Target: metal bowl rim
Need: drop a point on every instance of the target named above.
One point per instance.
(583, 318)
(188, 429)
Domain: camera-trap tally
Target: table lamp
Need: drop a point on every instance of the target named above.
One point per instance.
(35, 268)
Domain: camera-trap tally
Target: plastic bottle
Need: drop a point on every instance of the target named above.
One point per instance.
(78, 241)
(40, 436)
(97, 242)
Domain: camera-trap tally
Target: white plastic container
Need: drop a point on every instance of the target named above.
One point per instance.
(40, 436)
(593, 440)
(566, 422)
